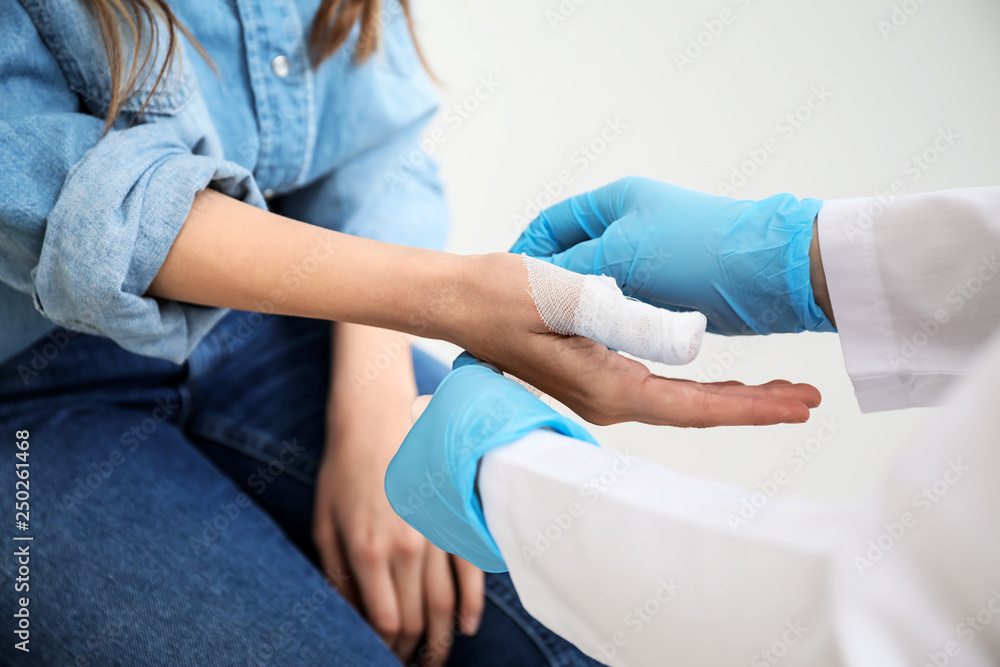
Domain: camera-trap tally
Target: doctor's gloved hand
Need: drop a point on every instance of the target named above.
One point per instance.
(507, 327)
(431, 480)
(743, 263)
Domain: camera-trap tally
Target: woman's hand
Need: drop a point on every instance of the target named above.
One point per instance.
(234, 255)
(406, 587)
(500, 324)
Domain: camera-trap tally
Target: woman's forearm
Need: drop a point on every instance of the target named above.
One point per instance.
(233, 255)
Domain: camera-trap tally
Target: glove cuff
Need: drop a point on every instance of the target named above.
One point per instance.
(800, 293)
(776, 291)
(437, 495)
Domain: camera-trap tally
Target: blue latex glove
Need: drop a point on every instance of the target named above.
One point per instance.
(431, 481)
(744, 264)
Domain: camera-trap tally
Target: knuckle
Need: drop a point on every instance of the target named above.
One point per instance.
(411, 547)
(369, 550)
(411, 628)
(386, 624)
(441, 605)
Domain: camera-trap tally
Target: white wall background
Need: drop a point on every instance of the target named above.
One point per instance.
(561, 80)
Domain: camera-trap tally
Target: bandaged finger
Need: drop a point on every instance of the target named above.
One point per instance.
(593, 306)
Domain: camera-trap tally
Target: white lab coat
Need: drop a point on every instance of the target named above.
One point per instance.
(639, 565)
(915, 289)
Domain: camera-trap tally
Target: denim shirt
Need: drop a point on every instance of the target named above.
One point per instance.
(86, 219)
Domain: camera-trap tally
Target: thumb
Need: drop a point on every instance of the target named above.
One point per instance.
(581, 258)
(617, 253)
(574, 220)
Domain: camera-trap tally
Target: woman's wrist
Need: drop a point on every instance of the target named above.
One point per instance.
(436, 300)
(371, 374)
(491, 295)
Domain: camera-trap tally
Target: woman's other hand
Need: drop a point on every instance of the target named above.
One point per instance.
(405, 587)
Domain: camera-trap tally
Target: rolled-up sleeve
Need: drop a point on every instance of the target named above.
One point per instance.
(87, 219)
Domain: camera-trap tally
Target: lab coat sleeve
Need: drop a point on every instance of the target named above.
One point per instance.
(639, 565)
(914, 287)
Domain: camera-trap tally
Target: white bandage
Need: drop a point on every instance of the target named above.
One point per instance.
(593, 306)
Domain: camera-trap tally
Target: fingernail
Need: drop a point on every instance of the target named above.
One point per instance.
(470, 625)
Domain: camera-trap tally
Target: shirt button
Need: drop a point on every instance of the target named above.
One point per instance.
(280, 66)
(268, 193)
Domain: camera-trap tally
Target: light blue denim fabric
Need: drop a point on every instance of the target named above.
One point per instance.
(86, 220)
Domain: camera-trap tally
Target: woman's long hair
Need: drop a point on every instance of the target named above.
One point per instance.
(134, 26)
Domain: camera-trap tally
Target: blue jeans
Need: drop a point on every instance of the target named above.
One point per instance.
(171, 507)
